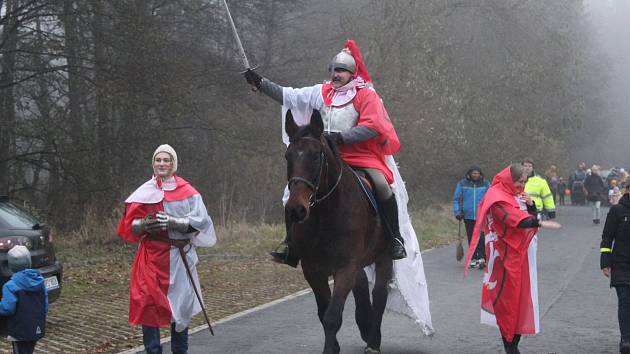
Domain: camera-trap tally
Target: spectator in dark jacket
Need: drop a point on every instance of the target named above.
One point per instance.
(576, 184)
(468, 194)
(615, 261)
(24, 301)
(595, 191)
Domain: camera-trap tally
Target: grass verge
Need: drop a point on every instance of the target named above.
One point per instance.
(94, 255)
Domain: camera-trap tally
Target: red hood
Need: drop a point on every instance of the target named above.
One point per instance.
(503, 181)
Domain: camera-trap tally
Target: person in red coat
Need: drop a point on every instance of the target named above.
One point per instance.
(509, 297)
(164, 214)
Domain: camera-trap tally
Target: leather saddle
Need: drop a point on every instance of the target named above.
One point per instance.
(366, 185)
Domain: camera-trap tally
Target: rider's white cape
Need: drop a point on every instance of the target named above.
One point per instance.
(408, 292)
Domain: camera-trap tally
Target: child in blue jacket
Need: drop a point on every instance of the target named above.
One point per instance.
(24, 301)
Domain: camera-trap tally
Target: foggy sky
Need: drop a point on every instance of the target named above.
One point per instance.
(611, 33)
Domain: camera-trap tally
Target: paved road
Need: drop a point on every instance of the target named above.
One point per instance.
(578, 310)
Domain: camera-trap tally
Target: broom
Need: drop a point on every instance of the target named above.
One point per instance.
(459, 254)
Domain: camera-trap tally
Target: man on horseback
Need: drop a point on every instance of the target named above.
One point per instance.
(355, 118)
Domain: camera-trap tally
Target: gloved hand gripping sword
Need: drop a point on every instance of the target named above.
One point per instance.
(152, 224)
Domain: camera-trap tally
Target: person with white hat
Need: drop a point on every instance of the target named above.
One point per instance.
(167, 217)
(26, 322)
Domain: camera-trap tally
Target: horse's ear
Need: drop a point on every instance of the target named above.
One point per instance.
(289, 124)
(316, 123)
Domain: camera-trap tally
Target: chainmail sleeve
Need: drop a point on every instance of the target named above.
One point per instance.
(357, 134)
(271, 89)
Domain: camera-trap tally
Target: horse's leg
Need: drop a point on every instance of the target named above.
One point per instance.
(344, 282)
(363, 310)
(318, 281)
(383, 268)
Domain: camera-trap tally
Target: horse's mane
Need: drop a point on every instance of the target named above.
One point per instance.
(334, 149)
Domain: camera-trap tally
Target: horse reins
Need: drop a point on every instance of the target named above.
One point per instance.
(315, 186)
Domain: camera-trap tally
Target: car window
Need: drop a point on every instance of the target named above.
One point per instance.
(13, 217)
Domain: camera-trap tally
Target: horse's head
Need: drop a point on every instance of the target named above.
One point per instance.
(305, 161)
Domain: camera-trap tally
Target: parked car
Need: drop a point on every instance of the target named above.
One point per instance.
(19, 227)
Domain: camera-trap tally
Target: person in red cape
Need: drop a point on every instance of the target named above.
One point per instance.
(507, 216)
(356, 120)
(164, 214)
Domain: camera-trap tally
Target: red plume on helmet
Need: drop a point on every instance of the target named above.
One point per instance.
(361, 71)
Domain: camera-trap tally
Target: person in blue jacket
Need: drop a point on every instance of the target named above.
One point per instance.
(24, 302)
(468, 194)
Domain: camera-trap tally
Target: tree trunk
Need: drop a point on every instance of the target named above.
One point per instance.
(75, 168)
(104, 136)
(7, 100)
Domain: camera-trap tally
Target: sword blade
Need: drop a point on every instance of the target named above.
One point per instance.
(236, 37)
(192, 283)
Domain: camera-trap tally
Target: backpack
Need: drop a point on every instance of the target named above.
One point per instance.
(29, 321)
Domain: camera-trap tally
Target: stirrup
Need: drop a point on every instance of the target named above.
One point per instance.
(282, 255)
(398, 249)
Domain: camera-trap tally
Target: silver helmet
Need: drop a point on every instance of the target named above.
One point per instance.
(343, 60)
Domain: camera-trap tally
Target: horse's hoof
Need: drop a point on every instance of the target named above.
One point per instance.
(369, 350)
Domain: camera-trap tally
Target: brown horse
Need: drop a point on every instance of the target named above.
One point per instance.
(335, 232)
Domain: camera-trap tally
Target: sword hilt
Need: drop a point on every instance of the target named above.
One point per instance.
(254, 88)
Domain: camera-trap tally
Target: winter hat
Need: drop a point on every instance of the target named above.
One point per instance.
(475, 168)
(472, 168)
(19, 258)
(169, 150)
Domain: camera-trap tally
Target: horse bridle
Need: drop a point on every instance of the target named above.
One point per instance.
(314, 186)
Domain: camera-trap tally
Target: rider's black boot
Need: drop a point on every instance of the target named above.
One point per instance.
(389, 210)
(282, 254)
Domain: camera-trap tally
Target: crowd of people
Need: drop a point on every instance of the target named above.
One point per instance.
(592, 186)
(595, 186)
